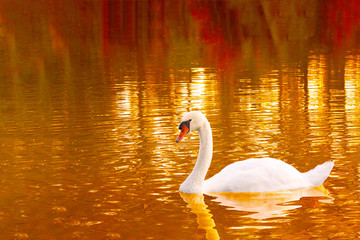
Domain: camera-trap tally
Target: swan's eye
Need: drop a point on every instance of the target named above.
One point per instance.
(186, 123)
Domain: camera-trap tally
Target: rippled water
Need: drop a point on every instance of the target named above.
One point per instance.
(90, 107)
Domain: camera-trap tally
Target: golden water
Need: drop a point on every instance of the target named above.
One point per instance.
(92, 94)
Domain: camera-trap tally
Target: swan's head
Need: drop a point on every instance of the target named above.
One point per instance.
(189, 122)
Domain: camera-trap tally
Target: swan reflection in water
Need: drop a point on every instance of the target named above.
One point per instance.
(197, 205)
(255, 205)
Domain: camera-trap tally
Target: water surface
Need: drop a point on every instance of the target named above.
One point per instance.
(92, 94)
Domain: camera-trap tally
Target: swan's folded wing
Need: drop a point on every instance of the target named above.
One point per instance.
(256, 175)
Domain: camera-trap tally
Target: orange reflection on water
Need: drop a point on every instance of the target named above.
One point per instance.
(92, 94)
(197, 88)
(263, 105)
(197, 91)
(352, 98)
(317, 104)
(316, 78)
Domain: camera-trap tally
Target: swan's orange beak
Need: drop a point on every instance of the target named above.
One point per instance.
(183, 132)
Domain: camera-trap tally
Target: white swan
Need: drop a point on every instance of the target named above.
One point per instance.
(252, 175)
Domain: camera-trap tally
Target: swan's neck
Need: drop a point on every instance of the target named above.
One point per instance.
(194, 182)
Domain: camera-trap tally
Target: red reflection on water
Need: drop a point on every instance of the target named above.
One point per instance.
(230, 35)
(228, 32)
(211, 30)
(339, 22)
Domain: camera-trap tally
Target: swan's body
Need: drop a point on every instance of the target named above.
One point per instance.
(252, 175)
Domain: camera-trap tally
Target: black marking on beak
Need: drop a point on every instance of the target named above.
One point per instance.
(186, 123)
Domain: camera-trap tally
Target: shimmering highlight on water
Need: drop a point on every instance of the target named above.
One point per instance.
(92, 94)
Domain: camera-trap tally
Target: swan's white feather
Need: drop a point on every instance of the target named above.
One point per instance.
(264, 175)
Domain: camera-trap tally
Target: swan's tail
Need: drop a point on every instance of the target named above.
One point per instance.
(319, 174)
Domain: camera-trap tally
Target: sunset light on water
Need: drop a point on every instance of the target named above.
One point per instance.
(92, 94)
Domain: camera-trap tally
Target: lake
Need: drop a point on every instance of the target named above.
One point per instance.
(92, 94)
